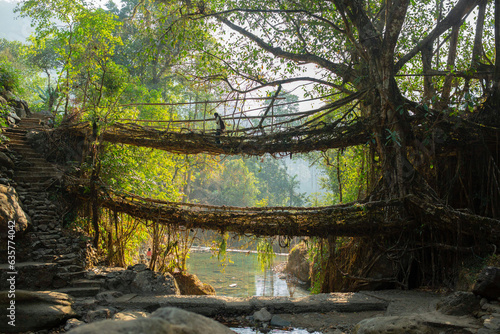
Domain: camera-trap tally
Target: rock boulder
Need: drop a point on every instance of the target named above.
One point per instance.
(139, 279)
(459, 303)
(145, 325)
(36, 310)
(424, 323)
(11, 211)
(488, 283)
(167, 320)
(189, 322)
(298, 263)
(190, 284)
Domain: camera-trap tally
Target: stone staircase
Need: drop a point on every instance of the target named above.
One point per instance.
(47, 242)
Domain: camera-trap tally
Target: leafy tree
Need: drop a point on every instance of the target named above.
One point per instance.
(276, 187)
(84, 40)
(362, 50)
(413, 74)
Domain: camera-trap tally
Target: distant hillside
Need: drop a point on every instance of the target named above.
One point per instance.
(12, 27)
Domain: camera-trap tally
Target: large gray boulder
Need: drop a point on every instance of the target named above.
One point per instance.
(424, 323)
(139, 279)
(35, 310)
(167, 320)
(189, 322)
(13, 220)
(137, 326)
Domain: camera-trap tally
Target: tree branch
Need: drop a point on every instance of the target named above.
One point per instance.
(269, 106)
(455, 15)
(339, 69)
(395, 20)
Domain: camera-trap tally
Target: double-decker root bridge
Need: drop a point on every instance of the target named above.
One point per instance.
(363, 218)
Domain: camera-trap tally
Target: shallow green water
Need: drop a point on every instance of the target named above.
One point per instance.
(243, 277)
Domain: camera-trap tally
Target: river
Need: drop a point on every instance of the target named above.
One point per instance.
(242, 276)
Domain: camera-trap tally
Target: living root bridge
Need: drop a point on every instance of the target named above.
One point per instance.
(354, 219)
(185, 141)
(348, 220)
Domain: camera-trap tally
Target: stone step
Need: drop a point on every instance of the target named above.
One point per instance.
(86, 283)
(34, 119)
(71, 268)
(72, 275)
(68, 262)
(48, 257)
(23, 151)
(34, 178)
(26, 168)
(16, 135)
(33, 188)
(80, 292)
(46, 218)
(17, 138)
(15, 131)
(29, 174)
(45, 171)
(21, 147)
(31, 126)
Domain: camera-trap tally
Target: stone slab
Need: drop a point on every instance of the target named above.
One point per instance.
(213, 305)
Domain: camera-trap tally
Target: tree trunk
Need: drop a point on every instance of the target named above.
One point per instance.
(496, 78)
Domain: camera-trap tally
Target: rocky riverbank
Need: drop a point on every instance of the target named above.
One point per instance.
(373, 312)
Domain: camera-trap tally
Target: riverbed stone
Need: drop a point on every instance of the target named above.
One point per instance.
(278, 321)
(99, 314)
(262, 315)
(73, 323)
(190, 284)
(130, 315)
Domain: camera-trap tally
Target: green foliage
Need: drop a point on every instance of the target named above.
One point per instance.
(219, 249)
(345, 175)
(9, 76)
(276, 186)
(266, 253)
(318, 253)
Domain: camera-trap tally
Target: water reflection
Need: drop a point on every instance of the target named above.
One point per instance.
(243, 277)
